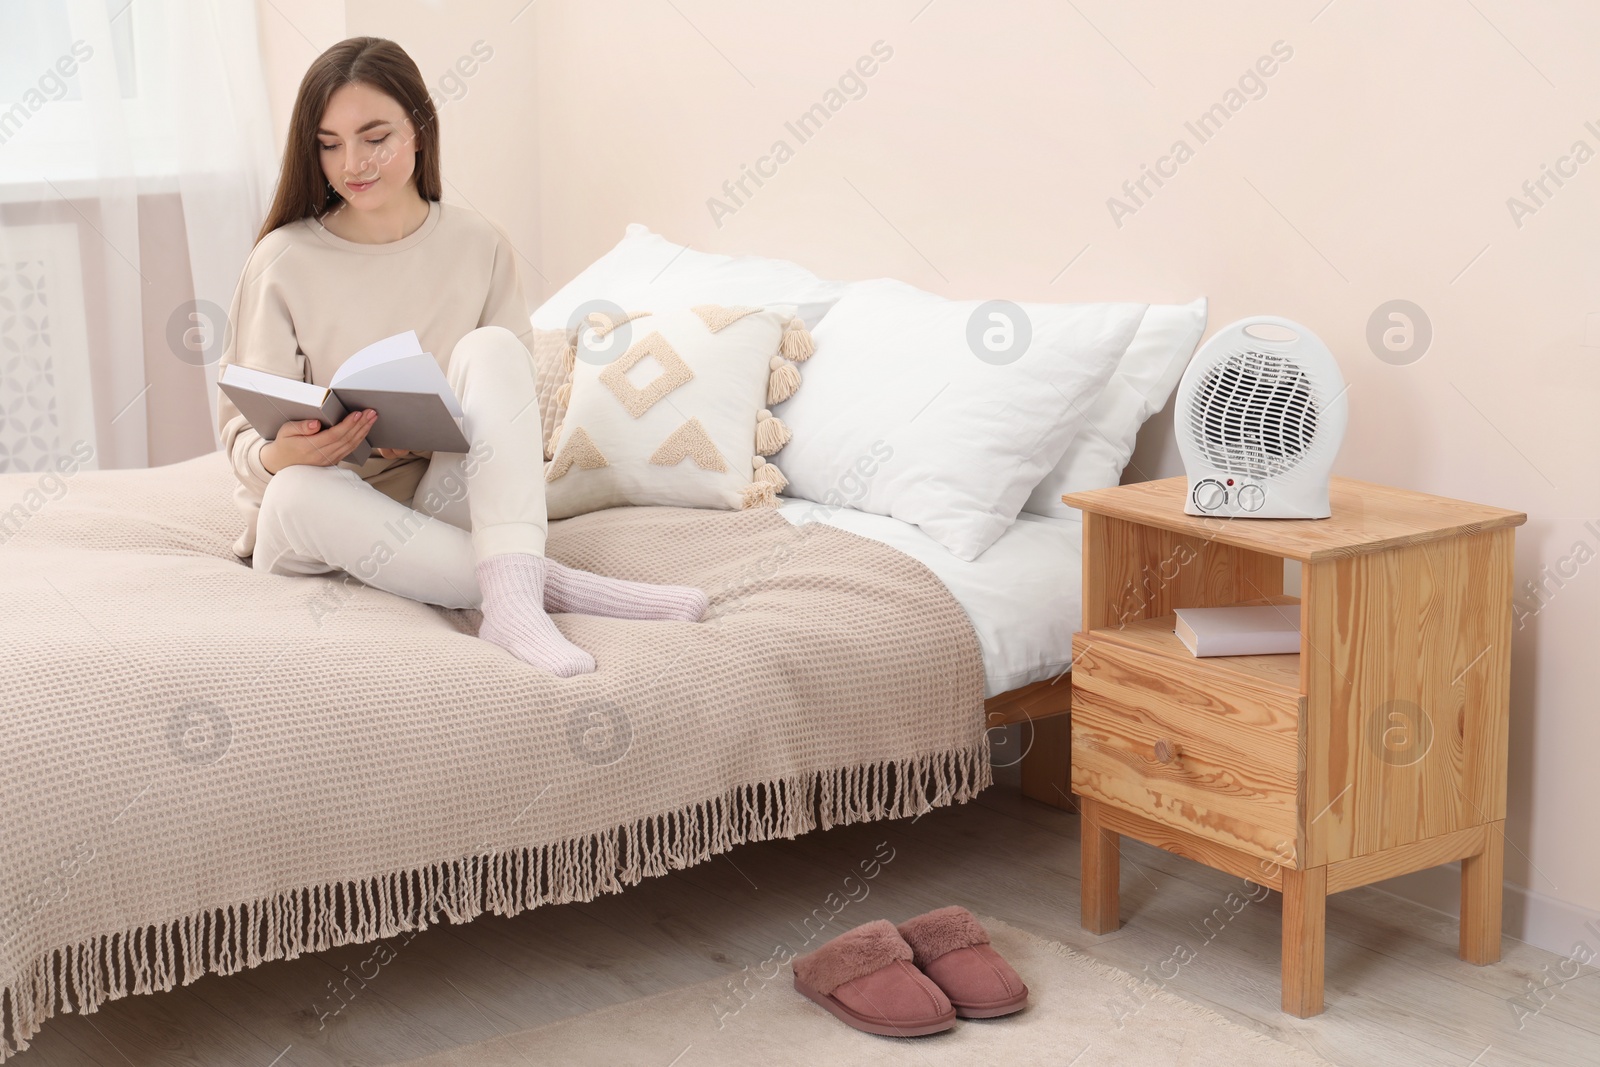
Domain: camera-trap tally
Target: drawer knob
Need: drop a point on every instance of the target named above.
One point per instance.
(1166, 752)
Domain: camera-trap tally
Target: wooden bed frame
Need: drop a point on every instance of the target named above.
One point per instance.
(1047, 754)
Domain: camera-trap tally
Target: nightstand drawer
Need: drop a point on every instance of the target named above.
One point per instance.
(1187, 744)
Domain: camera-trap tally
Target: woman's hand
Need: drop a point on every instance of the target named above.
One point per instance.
(302, 442)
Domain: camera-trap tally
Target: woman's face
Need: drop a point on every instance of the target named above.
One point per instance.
(367, 145)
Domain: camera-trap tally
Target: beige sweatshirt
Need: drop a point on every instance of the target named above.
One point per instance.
(307, 300)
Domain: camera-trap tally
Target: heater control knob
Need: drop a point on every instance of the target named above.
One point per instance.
(1251, 497)
(1210, 494)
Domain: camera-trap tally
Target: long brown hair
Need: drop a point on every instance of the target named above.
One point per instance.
(303, 190)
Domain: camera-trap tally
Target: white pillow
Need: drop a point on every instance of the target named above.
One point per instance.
(900, 417)
(1139, 388)
(679, 418)
(645, 270)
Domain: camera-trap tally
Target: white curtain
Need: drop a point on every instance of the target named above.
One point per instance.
(120, 122)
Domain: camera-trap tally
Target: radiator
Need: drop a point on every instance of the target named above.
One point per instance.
(46, 399)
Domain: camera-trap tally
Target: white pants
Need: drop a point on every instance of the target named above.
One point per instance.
(323, 520)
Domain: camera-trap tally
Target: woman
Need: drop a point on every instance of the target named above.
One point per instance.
(357, 247)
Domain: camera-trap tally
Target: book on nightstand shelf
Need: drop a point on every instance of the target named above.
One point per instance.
(1244, 630)
(417, 409)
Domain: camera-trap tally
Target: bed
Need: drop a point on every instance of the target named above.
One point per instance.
(1024, 598)
(1023, 595)
(207, 768)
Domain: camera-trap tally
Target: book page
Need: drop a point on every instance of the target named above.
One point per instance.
(378, 352)
(273, 385)
(402, 368)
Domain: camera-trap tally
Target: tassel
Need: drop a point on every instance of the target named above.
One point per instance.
(769, 473)
(797, 343)
(783, 381)
(569, 356)
(771, 433)
(564, 394)
(759, 495)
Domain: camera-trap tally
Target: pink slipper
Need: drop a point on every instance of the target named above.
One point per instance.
(864, 977)
(951, 947)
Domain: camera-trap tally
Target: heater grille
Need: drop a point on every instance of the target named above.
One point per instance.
(1254, 415)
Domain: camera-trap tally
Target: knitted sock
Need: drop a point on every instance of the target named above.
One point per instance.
(584, 593)
(513, 586)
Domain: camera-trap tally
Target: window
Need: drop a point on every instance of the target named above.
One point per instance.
(77, 97)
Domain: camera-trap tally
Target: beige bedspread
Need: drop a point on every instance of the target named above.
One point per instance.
(205, 767)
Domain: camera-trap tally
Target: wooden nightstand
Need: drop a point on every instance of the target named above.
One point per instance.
(1379, 749)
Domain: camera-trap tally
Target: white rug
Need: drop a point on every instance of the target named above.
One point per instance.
(1080, 1012)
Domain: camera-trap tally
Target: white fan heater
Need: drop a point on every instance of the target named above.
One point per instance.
(1261, 414)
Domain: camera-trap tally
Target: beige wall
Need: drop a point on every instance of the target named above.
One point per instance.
(1375, 165)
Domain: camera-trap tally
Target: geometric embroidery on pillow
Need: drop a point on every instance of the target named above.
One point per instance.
(690, 440)
(604, 324)
(716, 317)
(674, 372)
(580, 449)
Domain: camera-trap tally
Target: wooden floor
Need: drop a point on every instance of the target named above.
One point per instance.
(1396, 993)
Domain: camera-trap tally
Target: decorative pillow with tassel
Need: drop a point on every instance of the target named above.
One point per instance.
(553, 358)
(673, 408)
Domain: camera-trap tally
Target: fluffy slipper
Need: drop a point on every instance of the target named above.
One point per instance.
(864, 977)
(951, 947)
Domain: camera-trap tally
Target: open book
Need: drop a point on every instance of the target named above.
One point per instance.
(417, 409)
